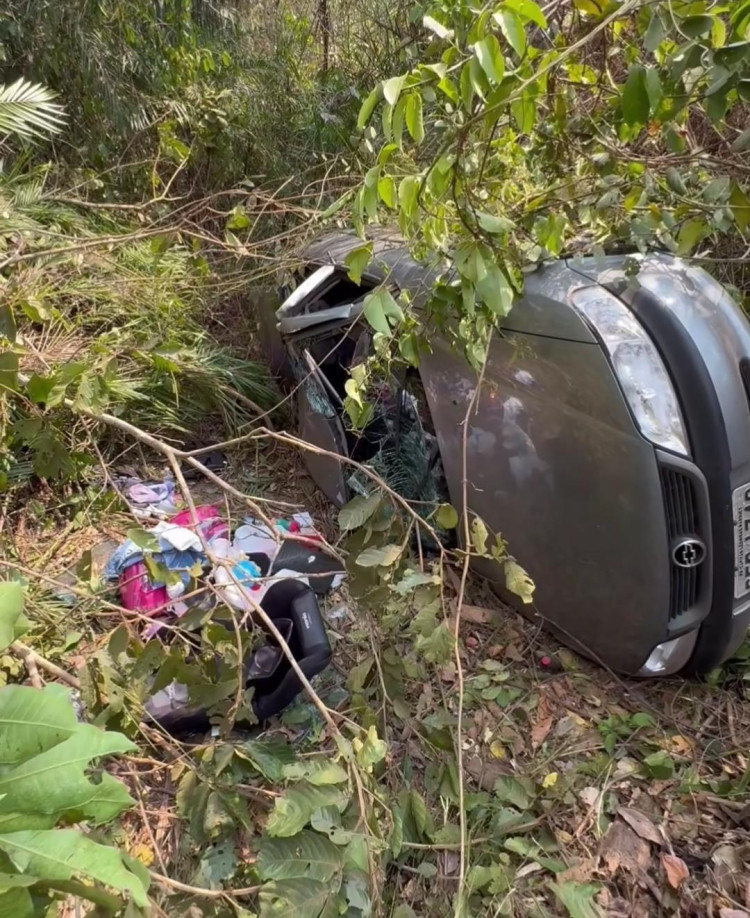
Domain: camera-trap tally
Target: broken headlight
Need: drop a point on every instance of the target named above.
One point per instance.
(639, 369)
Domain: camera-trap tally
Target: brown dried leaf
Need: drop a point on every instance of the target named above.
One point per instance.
(675, 869)
(542, 722)
(578, 873)
(622, 848)
(476, 615)
(733, 913)
(641, 824)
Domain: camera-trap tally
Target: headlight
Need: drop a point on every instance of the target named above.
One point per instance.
(639, 368)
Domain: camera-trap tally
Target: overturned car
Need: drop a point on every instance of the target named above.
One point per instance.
(610, 444)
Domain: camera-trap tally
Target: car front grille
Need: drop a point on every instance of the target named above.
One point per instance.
(682, 522)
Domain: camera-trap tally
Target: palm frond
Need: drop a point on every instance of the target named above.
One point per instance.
(27, 110)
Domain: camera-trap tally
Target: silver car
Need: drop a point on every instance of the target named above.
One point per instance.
(610, 445)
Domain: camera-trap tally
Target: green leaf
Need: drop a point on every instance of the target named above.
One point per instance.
(238, 220)
(490, 58)
(379, 557)
(437, 27)
(8, 371)
(307, 855)
(382, 311)
(693, 26)
(387, 191)
(32, 721)
(512, 28)
(494, 224)
(523, 110)
(479, 535)
(731, 55)
(518, 581)
(299, 897)
(292, 811)
(413, 116)
(446, 517)
(60, 854)
(38, 388)
(495, 291)
(739, 202)
(635, 100)
(357, 260)
(590, 7)
(16, 903)
(408, 193)
(52, 784)
(691, 233)
(372, 751)
(27, 110)
(515, 791)
(7, 322)
(368, 106)
(527, 9)
(358, 511)
(317, 771)
(659, 765)
(675, 180)
(578, 899)
(11, 607)
(145, 540)
(392, 89)
(654, 33)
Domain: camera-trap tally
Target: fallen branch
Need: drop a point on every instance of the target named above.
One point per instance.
(33, 661)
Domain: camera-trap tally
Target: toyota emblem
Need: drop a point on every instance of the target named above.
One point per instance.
(689, 553)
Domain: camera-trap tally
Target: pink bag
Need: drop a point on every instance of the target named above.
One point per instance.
(137, 592)
(210, 521)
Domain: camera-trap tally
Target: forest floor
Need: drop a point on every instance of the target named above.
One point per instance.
(586, 793)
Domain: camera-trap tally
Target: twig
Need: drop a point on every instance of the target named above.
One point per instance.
(31, 658)
(200, 891)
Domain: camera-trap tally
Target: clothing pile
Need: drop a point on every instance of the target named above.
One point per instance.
(188, 563)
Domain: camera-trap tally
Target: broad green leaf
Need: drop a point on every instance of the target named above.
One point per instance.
(466, 86)
(145, 540)
(307, 855)
(392, 89)
(379, 557)
(387, 191)
(527, 9)
(578, 899)
(590, 7)
(675, 180)
(32, 721)
(654, 33)
(691, 233)
(479, 535)
(408, 192)
(16, 902)
(693, 26)
(357, 260)
(739, 202)
(370, 752)
(292, 811)
(298, 897)
(518, 792)
(492, 223)
(518, 581)
(358, 511)
(523, 110)
(659, 765)
(635, 100)
(60, 854)
(38, 388)
(437, 27)
(490, 58)
(8, 371)
(446, 517)
(11, 607)
(52, 784)
(413, 116)
(316, 771)
(7, 322)
(731, 55)
(368, 106)
(238, 219)
(512, 28)
(495, 291)
(382, 311)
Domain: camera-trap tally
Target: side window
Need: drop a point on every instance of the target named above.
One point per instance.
(326, 295)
